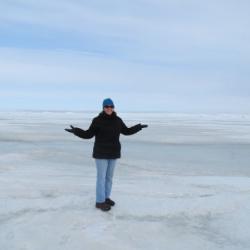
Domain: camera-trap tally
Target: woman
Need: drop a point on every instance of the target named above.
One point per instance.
(106, 127)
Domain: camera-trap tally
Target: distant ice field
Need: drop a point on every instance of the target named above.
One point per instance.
(179, 144)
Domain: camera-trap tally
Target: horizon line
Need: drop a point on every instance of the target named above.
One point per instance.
(123, 111)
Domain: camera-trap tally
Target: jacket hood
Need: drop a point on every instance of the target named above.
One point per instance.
(106, 116)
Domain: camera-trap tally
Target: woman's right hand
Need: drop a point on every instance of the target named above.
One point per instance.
(71, 130)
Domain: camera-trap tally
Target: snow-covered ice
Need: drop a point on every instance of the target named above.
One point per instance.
(182, 183)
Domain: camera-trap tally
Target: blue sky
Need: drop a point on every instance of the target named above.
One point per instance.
(147, 55)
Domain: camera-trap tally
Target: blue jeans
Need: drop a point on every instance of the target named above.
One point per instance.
(105, 171)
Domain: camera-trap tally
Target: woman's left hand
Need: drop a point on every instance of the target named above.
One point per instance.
(143, 125)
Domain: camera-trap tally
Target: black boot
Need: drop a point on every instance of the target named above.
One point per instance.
(103, 206)
(109, 202)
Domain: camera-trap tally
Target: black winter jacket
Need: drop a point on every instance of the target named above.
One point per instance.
(106, 129)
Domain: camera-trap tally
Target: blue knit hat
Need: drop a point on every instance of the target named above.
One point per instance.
(107, 102)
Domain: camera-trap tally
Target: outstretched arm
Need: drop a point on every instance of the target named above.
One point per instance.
(131, 130)
(85, 134)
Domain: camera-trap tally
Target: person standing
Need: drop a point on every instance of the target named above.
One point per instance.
(106, 127)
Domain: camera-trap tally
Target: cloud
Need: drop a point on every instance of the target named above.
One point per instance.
(139, 25)
(25, 66)
(173, 50)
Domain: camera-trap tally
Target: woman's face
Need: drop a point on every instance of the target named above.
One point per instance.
(108, 109)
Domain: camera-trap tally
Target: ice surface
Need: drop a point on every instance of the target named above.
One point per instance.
(182, 183)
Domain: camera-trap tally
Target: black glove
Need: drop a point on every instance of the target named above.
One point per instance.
(71, 130)
(143, 125)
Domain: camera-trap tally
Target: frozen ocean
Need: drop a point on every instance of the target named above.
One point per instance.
(182, 183)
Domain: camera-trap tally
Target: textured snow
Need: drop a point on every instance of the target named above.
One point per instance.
(182, 183)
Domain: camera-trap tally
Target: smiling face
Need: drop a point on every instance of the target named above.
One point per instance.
(108, 109)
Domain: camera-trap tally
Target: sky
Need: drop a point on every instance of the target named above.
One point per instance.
(147, 55)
